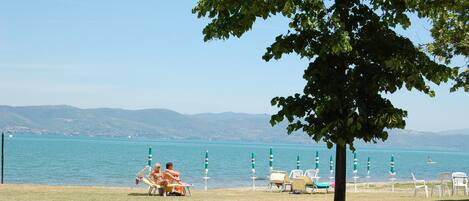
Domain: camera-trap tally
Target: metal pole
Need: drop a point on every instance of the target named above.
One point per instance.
(3, 148)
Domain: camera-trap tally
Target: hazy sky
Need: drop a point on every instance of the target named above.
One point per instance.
(150, 54)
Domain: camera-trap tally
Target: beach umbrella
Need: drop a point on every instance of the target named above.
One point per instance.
(271, 159)
(331, 167)
(392, 171)
(298, 162)
(206, 162)
(253, 163)
(368, 165)
(317, 160)
(206, 170)
(253, 170)
(149, 157)
(355, 171)
(355, 163)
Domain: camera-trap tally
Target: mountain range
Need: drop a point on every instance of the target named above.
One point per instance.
(168, 124)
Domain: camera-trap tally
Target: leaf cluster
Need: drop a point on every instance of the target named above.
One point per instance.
(355, 57)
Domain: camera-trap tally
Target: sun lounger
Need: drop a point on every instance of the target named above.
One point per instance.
(313, 174)
(303, 183)
(295, 174)
(152, 187)
(279, 179)
(298, 185)
(162, 190)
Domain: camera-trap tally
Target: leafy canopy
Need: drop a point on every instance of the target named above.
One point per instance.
(450, 32)
(355, 56)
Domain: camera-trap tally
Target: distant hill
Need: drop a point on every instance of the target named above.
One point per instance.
(167, 124)
(152, 123)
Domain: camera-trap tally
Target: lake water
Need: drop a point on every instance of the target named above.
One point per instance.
(66, 160)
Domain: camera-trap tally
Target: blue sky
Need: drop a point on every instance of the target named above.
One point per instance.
(150, 54)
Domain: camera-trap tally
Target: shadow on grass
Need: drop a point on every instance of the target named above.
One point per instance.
(455, 200)
(139, 194)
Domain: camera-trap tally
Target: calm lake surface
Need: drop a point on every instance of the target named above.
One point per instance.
(83, 160)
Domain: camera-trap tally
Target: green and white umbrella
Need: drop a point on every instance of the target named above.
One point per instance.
(206, 170)
(317, 161)
(331, 167)
(150, 158)
(206, 162)
(392, 171)
(253, 163)
(271, 159)
(298, 162)
(368, 165)
(355, 163)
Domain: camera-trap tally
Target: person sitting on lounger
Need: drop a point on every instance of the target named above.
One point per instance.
(156, 176)
(173, 177)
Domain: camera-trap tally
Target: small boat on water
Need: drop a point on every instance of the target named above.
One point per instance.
(430, 161)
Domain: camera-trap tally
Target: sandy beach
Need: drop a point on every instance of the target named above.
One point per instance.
(377, 191)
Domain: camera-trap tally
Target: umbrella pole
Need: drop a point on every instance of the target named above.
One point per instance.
(3, 147)
(355, 171)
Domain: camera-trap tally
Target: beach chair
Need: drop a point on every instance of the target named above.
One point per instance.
(313, 174)
(459, 179)
(170, 188)
(442, 184)
(419, 184)
(152, 187)
(295, 173)
(298, 184)
(279, 179)
(303, 183)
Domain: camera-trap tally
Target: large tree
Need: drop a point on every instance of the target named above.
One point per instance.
(355, 56)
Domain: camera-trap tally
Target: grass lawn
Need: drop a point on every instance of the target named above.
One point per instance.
(61, 193)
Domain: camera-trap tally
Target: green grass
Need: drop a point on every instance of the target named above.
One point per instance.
(73, 193)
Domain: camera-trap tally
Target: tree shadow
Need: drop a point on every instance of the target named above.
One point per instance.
(139, 194)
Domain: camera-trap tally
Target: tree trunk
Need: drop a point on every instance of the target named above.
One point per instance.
(340, 173)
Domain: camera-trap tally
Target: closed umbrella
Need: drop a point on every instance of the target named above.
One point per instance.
(331, 168)
(298, 162)
(206, 170)
(253, 171)
(355, 171)
(206, 163)
(150, 158)
(317, 161)
(392, 171)
(253, 163)
(271, 159)
(355, 163)
(368, 165)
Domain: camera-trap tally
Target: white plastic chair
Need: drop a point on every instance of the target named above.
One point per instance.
(443, 179)
(459, 179)
(419, 184)
(295, 173)
(313, 174)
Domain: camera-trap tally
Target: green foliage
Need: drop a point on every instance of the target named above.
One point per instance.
(355, 57)
(450, 32)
